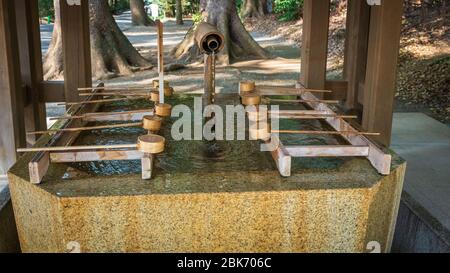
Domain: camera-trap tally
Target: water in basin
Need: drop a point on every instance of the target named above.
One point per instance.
(201, 156)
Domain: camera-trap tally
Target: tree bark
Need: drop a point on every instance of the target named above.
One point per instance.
(112, 54)
(53, 63)
(138, 15)
(254, 8)
(239, 45)
(179, 13)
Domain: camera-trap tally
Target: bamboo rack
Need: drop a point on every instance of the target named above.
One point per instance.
(59, 150)
(87, 128)
(360, 144)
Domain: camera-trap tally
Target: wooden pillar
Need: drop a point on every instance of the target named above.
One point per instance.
(356, 42)
(316, 14)
(29, 38)
(381, 71)
(12, 132)
(76, 48)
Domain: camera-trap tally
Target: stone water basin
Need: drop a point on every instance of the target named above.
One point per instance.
(207, 197)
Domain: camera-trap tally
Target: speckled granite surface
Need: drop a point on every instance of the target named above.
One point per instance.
(329, 206)
(313, 211)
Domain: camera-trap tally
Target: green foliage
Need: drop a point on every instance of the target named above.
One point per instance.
(168, 7)
(196, 18)
(46, 8)
(191, 7)
(239, 4)
(288, 9)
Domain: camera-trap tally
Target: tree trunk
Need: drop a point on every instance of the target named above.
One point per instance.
(254, 8)
(138, 15)
(179, 13)
(53, 63)
(239, 45)
(112, 53)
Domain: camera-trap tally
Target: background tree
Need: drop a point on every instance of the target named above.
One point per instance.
(138, 15)
(179, 12)
(119, 6)
(254, 8)
(111, 51)
(288, 10)
(239, 45)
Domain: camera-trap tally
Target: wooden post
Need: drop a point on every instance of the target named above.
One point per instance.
(29, 38)
(316, 15)
(358, 16)
(209, 80)
(160, 30)
(76, 48)
(12, 133)
(381, 74)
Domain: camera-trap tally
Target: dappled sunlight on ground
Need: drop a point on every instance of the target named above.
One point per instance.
(283, 70)
(278, 71)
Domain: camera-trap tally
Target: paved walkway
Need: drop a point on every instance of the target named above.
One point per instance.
(425, 144)
(3, 182)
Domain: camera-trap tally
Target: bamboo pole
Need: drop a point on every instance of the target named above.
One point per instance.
(291, 116)
(126, 125)
(290, 89)
(99, 114)
(160, 33)
(77, 148)
(118, 88)
(303, 101)
(101, 101)
(299, 132)
(144, 93)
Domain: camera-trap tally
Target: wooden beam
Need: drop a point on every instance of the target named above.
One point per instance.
(29, 38)
(328, 151)
(339, 88)
(38, 167)
(53, 91)
(76, 48)
(12, 133)
(381, 73)
(316, 14)
(282, 158)
(380, 159)
(87, 156)
(147, 163)
(356, 42)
